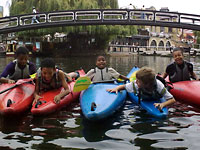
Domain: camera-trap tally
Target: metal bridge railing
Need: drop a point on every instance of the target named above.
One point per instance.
(101, 17)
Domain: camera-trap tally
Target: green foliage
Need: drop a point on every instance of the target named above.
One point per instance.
(197, 34)
(104, 32)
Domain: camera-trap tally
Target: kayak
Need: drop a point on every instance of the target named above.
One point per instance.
(147, 104)
(46, 105)
(18, 99)
(98, 104)
(186, 92)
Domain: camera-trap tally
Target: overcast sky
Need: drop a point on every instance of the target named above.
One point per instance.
(183, 6)
(5, 4)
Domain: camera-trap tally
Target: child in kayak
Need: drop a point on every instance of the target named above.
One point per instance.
(20, 68)
(180, 69)
(49, 78)
(146, 86)
(102, 73)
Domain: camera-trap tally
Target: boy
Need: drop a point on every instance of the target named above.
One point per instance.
(179, 70)
(20, 68)
(148, 87)
(102, 73)
(49, 78)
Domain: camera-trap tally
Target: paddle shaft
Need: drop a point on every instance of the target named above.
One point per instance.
(12, 87)
(106, 81)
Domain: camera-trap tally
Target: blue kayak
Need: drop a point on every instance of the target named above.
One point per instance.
(98, 104)
(148, 104)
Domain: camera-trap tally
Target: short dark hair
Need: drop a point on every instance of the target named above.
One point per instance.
(48, 63)
(178, 49)
(21, 50)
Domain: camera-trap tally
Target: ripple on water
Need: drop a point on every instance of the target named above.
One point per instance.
(122, 134)
(13, 141)
(70, 123)
(161, 136)
(183, 121)
(81, 143)
(165, 140)
(39, 129)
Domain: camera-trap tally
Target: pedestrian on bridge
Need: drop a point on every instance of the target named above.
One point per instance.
(34, 19)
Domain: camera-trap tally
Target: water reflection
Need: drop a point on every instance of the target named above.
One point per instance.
(130, 128)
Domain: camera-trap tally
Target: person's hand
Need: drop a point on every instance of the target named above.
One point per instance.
(57, 99)
(69, 79)
(115, 90)
(159, 106)
(11, 81)
(37, 97)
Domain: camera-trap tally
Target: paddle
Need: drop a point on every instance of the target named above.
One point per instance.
(82, 83)
(19, 82)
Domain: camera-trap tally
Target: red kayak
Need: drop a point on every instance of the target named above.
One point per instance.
(186, 92)
(16, 98)
(46, 104)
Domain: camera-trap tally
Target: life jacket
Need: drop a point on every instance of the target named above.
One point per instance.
(20, 73)
(143, 94)
(101, 74)
(54, 84)
(180, 74)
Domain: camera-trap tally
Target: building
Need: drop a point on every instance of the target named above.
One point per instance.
(163, 38)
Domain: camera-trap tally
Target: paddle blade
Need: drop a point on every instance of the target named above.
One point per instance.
(32, 76)
(133, 76)
(82, 83)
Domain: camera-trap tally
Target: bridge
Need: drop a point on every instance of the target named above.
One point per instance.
(100, 17)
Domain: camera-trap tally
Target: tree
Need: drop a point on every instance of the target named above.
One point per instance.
(101, 32)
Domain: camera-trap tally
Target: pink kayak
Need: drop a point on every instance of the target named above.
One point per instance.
(46, 104)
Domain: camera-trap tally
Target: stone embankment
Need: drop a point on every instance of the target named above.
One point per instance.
(154, 53)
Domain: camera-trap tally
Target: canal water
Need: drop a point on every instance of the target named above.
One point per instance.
(130, 128)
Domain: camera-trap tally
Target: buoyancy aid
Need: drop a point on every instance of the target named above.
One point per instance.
(20, 73)
(101, 74)
(143, 94)
(54, 84)
(180, 74)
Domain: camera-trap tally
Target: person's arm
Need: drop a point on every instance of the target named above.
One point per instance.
(118, 88)
(169, 69)
(123, 77)
(9, 70)
(194, 76)
(116, 75)
(36, 93)
(90, 74)
(32, 68)
(166, 103)
(6, 80)
(58, 97)
(163, 91)
(68, 77)
(164, 75)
